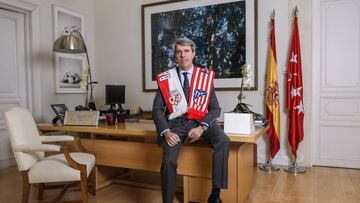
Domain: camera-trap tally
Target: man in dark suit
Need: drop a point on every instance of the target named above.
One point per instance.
(172, 132)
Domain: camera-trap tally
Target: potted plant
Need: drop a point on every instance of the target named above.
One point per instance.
(246, 82)
(241, 119)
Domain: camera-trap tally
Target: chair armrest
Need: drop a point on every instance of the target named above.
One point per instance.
(56, 138)
(72, 162)
(80, 147)
(37, 148)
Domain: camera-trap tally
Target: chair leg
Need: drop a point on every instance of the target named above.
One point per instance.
(26, 187)
(84, 184)
(41, 191)
(92, 178)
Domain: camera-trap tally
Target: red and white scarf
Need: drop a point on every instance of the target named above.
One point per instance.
(199, 95)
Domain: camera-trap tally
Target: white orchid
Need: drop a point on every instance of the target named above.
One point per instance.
(84, 78)
(246, 80)
(247, 75)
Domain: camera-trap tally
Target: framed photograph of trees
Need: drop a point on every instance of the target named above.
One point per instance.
(224, 32)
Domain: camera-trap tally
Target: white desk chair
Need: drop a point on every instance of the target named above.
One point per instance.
(35, 168)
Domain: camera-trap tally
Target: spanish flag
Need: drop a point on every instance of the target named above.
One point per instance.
(272, 96)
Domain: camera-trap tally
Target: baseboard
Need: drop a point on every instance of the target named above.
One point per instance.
(7, 163)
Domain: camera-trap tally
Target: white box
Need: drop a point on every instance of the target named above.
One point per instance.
(239, 123)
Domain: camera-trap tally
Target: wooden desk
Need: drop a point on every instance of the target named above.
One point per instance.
(194, 161)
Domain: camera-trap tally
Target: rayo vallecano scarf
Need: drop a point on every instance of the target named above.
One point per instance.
(199, 95)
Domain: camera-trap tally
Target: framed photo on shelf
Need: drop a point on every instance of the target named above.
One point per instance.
(68, 67)
(224, 32)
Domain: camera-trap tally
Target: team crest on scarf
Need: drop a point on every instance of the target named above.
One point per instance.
(175, 97)
(205, 70)
(197, 94)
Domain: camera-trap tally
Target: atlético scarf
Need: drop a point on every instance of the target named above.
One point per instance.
(199, 95)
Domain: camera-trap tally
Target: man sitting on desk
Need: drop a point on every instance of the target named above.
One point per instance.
(188, 109)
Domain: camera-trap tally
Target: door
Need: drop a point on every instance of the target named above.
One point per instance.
(12, 74)
(336, 97)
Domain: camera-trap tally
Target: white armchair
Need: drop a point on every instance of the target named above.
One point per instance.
(35, 168)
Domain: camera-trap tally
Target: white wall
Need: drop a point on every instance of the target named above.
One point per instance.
(117, 26)
(118, 50)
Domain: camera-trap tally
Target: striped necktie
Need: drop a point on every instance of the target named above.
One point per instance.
(186, 86)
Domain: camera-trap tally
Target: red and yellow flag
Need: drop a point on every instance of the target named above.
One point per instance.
(272, 96)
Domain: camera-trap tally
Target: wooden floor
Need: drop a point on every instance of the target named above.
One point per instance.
(317, 185)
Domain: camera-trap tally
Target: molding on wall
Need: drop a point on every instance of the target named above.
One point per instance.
(315, 73)
(33, 72)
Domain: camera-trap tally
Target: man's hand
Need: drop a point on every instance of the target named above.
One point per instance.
(195, 133)
(171, 138)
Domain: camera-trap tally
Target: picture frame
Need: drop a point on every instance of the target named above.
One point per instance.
(60, 110)
(68, 71)
(164, 22)
(63, 18)
(82, 118)
(68, 67)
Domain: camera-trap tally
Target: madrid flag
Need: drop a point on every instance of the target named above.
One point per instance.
(272, 96)
(295, 92)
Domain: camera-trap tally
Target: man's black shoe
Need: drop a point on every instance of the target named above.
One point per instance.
(214, 199)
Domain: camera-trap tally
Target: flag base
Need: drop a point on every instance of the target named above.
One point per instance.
(295, 169)
(268, 166)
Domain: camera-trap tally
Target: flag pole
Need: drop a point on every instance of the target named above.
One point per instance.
(294, 168)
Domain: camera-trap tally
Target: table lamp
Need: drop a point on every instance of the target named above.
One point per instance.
(74, 43)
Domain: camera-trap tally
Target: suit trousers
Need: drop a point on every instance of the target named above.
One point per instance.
(218, 141)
